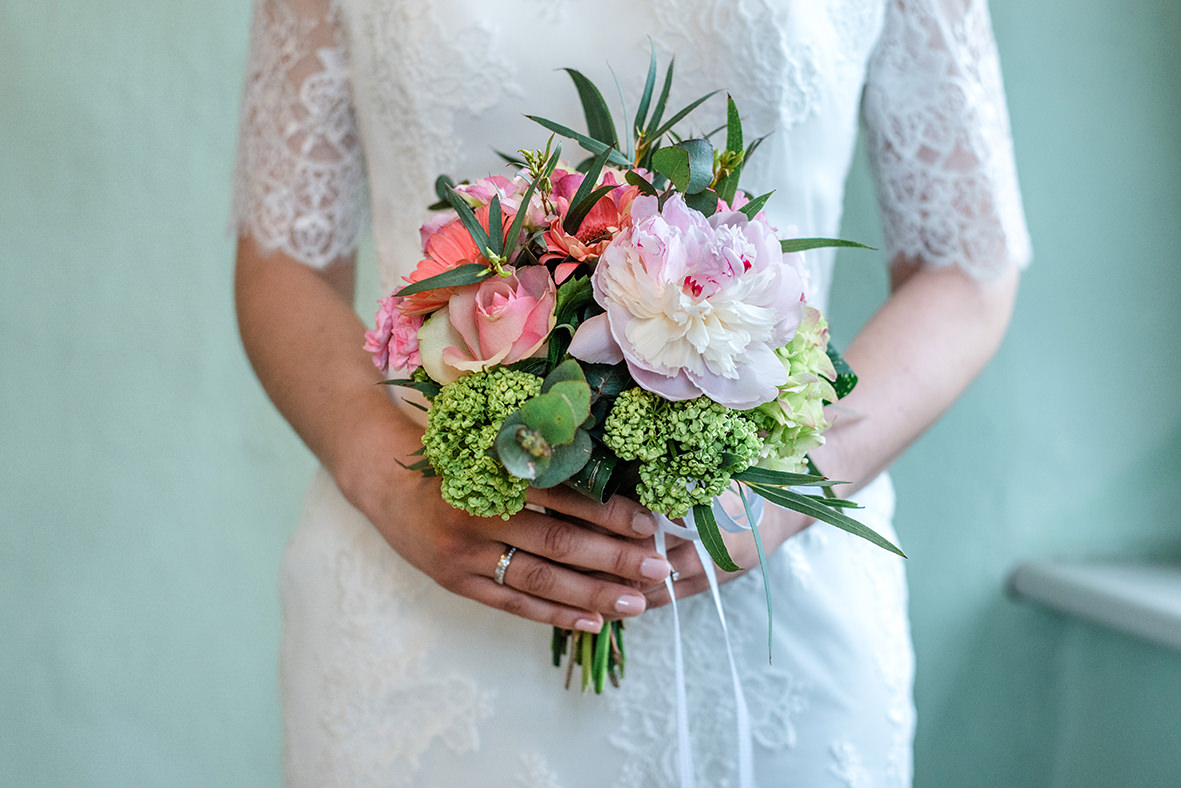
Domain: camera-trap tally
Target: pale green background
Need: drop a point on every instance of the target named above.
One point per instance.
(147, 488)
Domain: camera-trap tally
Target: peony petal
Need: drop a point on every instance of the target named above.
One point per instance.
(594, 344)
(759, 378)
(677, 387)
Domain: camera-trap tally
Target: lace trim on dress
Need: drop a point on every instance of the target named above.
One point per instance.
(299, 181)
(937, 132)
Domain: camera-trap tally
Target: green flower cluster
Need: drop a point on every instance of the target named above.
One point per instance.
(794, 424)
(687, 450)
(462, 424)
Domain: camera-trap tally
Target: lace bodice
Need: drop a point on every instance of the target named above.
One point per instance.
(428, 88)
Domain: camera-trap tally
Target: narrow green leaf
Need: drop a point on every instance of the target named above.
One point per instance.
(813, 508)
(475, 229)
(602, 651)
(599, 123)
(804, 244)
(661, 102)
(628, 148)
(577, 213)
(646, 96)
(495, 226)
(429, 388)
(733, 127)
(514, 232)
(510, 159)
(589, 143)
(752, 208)
(466, 274)
(836, 503)
(707, 526)
(754, 528)
(640, 182)
(783, 478)
(677, 118)
(585, 188)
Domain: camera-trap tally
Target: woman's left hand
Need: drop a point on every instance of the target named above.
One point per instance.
(776, 527)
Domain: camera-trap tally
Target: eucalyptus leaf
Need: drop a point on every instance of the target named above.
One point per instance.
(711, 539)
(578, 394)
(518, 460)
(565, 461)
(552, 416)
(814, 508)
(568, 370)
(689, 165)
(705, 202)
(589, 143)
(804, 244)
(466, 274)
(607, 380)
(599, 123)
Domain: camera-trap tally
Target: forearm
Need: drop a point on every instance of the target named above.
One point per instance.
(914, 357)
(305, 343)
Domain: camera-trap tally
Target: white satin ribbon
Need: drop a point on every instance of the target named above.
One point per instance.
(684, 745)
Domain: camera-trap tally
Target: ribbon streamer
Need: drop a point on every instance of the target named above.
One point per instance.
(742, 714)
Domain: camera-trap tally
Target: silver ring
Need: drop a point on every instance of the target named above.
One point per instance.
(675, 576)
(506, 558)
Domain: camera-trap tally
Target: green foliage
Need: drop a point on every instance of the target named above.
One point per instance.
(462, 427)
(687, 451)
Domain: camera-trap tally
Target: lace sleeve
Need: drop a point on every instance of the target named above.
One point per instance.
(299, 184)
(937, 133)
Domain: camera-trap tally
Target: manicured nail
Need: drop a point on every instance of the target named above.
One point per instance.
(644, 524)
(587, 625)
(655, 568)
(630, 603)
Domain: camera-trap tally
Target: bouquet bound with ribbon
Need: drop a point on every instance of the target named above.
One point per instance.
(627, 326)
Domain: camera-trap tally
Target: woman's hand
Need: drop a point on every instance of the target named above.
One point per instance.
(572, 572)
(775, 528)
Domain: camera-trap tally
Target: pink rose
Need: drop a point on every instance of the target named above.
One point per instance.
(394, 343)
(499, 321)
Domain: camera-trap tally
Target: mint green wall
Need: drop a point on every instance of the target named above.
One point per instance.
(146, 487)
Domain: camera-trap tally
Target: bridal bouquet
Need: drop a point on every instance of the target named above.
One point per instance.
(630, 325)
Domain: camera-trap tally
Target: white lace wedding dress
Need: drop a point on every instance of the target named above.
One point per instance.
(389, 680)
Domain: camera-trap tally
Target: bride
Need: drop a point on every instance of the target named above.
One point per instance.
(404, 661)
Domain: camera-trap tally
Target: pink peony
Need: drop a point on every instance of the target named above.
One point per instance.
(695, 306)
(499, 321)
(394, 343)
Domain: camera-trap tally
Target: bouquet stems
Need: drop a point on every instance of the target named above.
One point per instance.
(600, 655)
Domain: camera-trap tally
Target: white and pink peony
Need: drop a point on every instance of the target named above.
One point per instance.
(695, 306)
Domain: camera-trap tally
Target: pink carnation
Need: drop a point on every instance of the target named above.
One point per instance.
(394, 343)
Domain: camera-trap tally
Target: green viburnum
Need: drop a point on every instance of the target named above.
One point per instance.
(687, 450)
(794, 424)
(462, 424)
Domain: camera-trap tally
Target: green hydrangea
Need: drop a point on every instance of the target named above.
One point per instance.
(687, 451)
(462, 424)
(794, 424)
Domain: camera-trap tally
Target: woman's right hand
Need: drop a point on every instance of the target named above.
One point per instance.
(573, 572)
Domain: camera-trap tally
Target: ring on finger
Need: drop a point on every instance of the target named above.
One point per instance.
(674, 575)
(506, 558)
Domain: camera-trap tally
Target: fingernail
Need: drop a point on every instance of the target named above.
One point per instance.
(587, 625)
(655, 568)
(644, 524)
(629, 604)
